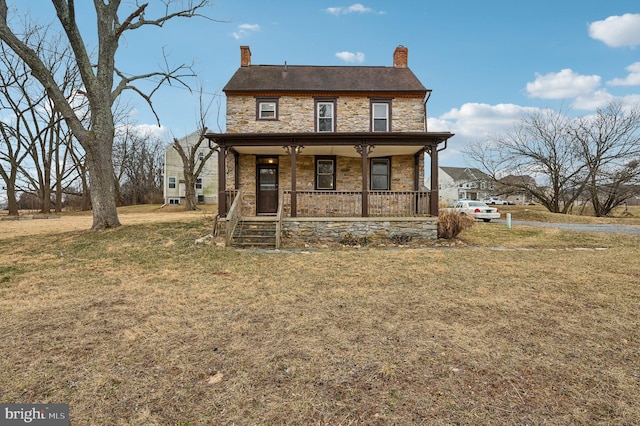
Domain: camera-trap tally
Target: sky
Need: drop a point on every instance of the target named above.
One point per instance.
(489, 63)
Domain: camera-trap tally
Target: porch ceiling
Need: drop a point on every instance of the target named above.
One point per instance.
(340, 151)
(341, 144)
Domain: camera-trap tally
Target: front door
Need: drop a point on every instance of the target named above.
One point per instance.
(267, 202)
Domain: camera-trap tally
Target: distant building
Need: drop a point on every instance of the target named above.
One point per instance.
(455, 183)
(207, 182)
(514, 188)
(3, 197)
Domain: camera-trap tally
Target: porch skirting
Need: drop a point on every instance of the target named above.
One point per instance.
(378, 230)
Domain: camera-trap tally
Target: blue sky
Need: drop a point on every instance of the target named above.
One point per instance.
(488, 62)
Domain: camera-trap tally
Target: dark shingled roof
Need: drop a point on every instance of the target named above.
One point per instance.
(297, 78)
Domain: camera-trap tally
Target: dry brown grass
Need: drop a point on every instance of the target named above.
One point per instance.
(140, 326)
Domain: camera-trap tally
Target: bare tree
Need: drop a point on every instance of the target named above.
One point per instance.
(11, 157)
(99, 84)
(594, 157)
(609, 145)
(138, 167)
(191, 153)
(39, 129)
(541, 146)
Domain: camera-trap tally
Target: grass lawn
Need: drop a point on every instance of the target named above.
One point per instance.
(141, 326)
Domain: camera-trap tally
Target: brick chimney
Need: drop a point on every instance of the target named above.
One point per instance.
(401, 57)
(245, 56)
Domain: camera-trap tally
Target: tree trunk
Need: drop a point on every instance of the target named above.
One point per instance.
(12, 201)
(190, 194)
(101, 182)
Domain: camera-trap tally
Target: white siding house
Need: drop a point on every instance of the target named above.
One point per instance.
(207, 184)
(456, 183)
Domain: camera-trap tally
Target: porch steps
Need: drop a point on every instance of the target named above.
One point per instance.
(250, 233)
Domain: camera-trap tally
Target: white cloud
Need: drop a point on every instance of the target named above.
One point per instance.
(152, 131)
(593, 101)
(480, 120)
(351, 57)
(617, 31)
(565, 84)
(633, 79)
(244, 30)
(354, 8)
(475, 123)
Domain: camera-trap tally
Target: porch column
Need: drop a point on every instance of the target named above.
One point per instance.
(364, 150)
(293, 151)
(222, 181)
(434, 197)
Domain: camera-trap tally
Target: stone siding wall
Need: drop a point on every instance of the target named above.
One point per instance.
(348, 176)
(297, 114)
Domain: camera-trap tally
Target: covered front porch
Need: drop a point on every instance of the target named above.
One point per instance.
(334, 177)
(265, 164)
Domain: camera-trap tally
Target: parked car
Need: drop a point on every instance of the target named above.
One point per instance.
(495, 200)
(476, 209)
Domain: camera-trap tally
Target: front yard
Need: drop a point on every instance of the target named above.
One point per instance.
(140, 325)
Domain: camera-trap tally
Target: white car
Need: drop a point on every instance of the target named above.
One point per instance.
(476, 209)
(495, 200)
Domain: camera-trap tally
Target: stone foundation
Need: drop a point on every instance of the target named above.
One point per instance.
(297, 231)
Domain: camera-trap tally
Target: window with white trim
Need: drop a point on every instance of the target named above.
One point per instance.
(266, 108)
(380, 116)
(199, 183)
(172, 182)
(325, 115)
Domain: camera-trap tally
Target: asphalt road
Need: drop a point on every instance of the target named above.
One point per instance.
(581, 227)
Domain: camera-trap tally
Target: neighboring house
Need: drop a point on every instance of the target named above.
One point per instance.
(3, 197)
(455, 183)
(325, 150)
(207, 183)
(514, 188)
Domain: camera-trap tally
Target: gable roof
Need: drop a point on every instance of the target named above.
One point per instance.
(466, 174)
(302, 78)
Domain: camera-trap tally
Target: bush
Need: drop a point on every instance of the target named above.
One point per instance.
(401, 239)
(348, 239)
(452, 223)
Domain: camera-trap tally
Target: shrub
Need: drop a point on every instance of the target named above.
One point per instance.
(348, 239)
(401, 239)
(452, 223)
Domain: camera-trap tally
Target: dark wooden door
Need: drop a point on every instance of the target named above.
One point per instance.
(267, 202)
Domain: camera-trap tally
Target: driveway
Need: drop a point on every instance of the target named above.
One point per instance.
(581, 227)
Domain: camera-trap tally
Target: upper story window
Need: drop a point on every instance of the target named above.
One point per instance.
(199, 183)
(381, 115)
(172, 182)
(266, 108)
(325, 115)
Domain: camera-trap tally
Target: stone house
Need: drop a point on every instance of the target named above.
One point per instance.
(173, 174)
(317, 152)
